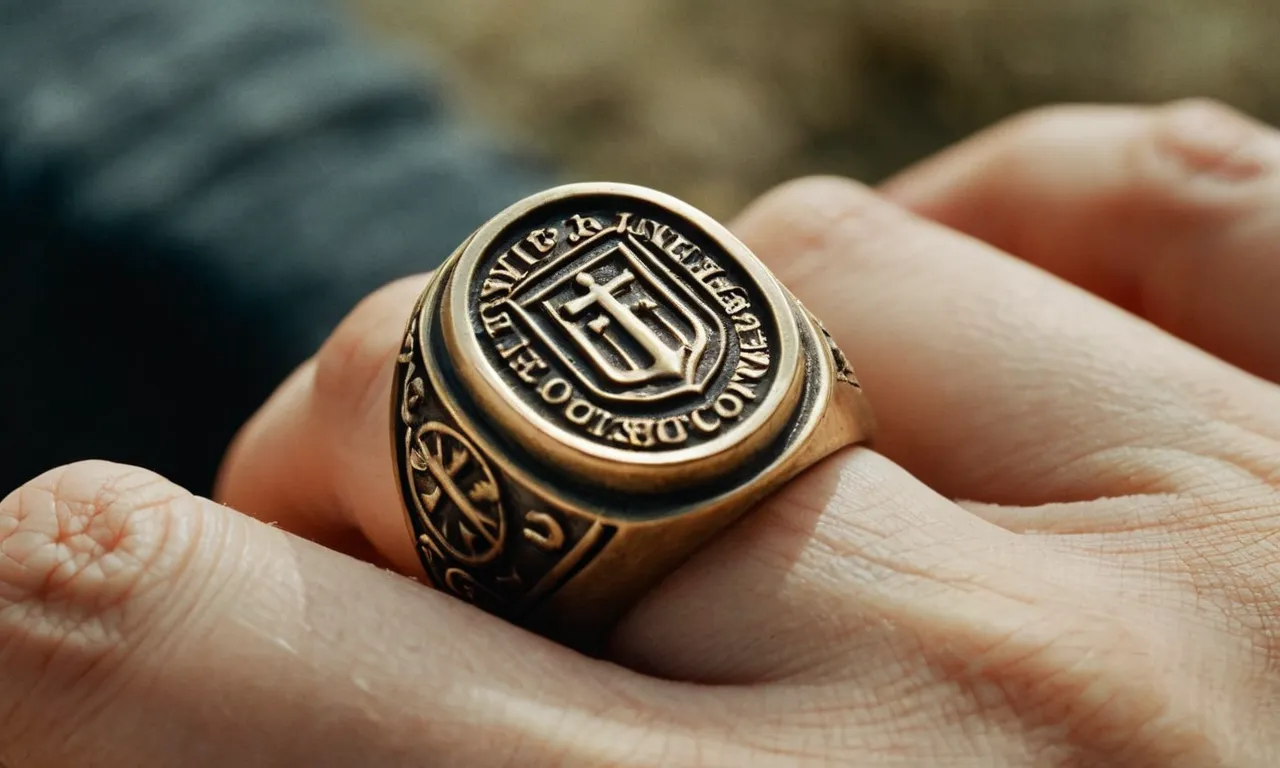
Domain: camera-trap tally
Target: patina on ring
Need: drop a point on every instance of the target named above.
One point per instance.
(595, 383)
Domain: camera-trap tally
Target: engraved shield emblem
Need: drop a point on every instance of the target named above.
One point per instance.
(622, 324)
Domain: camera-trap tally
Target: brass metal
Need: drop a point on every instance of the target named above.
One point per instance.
(595, 383)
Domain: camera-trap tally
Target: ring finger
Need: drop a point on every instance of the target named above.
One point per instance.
(993, 380)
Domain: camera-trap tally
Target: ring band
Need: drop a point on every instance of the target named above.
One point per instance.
(596, 382)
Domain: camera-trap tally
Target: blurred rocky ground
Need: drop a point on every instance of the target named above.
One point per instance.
(715, 100)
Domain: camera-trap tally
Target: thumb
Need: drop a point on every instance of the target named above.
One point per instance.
(142, 626)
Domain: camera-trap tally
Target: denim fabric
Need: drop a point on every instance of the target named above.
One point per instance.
(192, 193)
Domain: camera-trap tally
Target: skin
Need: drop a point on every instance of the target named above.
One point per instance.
(1065, 550)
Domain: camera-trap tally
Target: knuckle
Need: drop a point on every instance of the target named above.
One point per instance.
(808, 220)
(1101, 678)
(812, 206)
(1038, 126)
(1174, 152)
(1201, 140)
(1023, 140)
(349, 368)
(1229, 552)
(1214, 539)
(81, 548)
(806, 191)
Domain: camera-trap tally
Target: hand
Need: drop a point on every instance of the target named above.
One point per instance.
(1105, 594)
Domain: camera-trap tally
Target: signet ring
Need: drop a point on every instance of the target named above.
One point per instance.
(595, 383)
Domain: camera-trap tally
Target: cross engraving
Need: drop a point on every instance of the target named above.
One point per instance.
(664, 362)
(623, 324)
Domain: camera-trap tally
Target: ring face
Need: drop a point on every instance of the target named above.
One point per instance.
(624, 336)
(594, 384)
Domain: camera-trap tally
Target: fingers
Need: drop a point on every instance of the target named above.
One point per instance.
(1171, 212)
(142, 626)
(316, 460)
(834, 578)
(993, 380)
(861, 533)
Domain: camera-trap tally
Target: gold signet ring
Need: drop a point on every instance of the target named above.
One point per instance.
(594, 384)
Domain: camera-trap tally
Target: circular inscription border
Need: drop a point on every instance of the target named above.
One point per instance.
(575, 316)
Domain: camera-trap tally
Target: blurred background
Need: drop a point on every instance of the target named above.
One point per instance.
(715, 100)
(194, 192)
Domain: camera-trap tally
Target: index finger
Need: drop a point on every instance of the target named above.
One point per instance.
(316, 459)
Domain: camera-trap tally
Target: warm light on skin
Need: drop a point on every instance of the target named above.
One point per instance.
(1104, 594)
